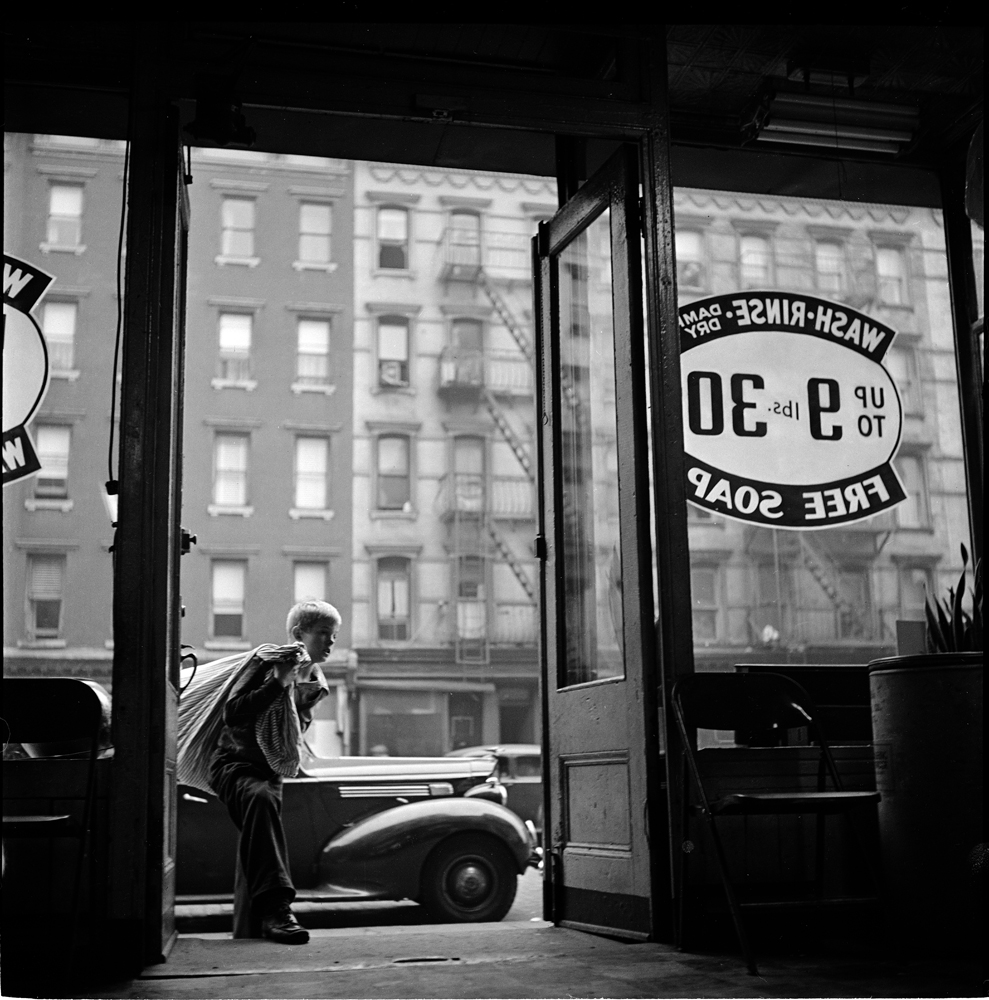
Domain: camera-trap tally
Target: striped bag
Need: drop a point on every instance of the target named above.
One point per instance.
(201, 715)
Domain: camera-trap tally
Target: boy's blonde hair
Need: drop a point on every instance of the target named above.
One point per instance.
(308, 614)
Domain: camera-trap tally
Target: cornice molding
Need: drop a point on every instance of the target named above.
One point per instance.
(461, 180)
(809, 208)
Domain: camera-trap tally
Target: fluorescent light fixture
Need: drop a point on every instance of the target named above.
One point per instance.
(833, 123)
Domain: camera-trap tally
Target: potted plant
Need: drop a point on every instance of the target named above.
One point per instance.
(927, 740)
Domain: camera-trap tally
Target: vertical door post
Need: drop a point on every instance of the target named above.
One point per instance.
(674, 640)
(146, 544)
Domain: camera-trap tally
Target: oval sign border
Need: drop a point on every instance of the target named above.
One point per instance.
(799, 507)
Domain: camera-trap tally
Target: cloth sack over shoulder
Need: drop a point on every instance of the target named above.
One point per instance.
(201, 715)
(280, 727)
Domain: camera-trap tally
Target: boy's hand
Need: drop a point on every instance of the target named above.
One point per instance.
(285, 661)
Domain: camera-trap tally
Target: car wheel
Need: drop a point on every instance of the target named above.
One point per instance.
(469, 878)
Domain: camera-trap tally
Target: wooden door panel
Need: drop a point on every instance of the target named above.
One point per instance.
(596, 577)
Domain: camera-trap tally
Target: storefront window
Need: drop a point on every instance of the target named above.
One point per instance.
(831, 588)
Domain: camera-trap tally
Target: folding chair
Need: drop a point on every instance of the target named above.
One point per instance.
(754, 703)
(58, 717)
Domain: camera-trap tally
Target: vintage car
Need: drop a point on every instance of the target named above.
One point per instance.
(430, 829)
(520, 770)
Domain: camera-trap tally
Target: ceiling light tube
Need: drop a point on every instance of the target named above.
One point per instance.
(844, 104)
(828, 142)
(839, 129)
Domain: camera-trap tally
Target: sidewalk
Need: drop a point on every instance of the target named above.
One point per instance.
(521, 960)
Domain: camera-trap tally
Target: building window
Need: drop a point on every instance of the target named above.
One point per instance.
(230, 470)
(58, 323)
(902, 365)
(754, 261)
(229, 576)
(393, 351)
(465, 238)
(468, 335)
(472, 615)
(311, 472)
(237, 227)
(914, 512)
(468, 471)
(393, 238)
(235, 346)
(915, 585)
(829, 268)
(690, 261)
(313, 365)
(45, 584)
(315, 222)
(309, 581)
(855, 614)
(394, 586)
(890, 276)
(65, 216)
(394, 481)
(53, 452)
(704, 596)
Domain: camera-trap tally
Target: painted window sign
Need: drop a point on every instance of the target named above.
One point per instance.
(25, 365)
(790, 417)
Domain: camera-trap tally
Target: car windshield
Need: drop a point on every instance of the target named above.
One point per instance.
(528, 767)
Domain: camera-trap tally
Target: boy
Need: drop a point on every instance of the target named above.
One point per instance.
(258, 744)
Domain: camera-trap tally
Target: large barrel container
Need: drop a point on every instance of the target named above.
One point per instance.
(927, 736)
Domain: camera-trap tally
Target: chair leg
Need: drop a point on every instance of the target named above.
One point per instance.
(684, 830)
(736, 911)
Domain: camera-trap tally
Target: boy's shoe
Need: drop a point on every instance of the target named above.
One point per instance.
(281, 925)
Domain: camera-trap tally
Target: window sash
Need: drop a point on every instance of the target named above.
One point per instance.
(393, 340)
(829, 265)
(227, 593)
(394, 586)
(393, 472)
(315, 221)
(913, 512)
(53, 453)
(754, 258)
(393, 225)
(237, 221)
(309, 581)
(311, 463)
(235, 332)
(890, 276)
(230, 478)
(44, 596)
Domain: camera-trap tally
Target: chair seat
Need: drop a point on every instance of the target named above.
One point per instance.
(39, 826)
(772, 803)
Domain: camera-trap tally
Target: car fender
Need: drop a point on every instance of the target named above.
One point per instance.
(384, 853)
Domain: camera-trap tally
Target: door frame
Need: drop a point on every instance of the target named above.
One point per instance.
(644, 677)
(147, 542)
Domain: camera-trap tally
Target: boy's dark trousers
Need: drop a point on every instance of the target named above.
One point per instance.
(262, 881)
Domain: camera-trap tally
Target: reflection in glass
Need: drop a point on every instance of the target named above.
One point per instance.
(588, 436)
(768, 595)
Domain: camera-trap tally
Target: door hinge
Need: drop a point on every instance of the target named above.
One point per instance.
(540, 547)
(642, 216)
(186, 542)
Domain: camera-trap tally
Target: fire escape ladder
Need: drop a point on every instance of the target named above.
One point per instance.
(509, 556)
(469, 528)
(828, 577)
(514, 441)
(515, 328)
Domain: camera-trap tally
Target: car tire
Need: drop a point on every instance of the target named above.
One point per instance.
(467, 879)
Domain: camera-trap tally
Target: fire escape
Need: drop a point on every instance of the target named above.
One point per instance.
(853, 618)
(475, 534)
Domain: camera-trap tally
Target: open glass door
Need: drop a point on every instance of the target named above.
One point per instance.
(597, 588)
